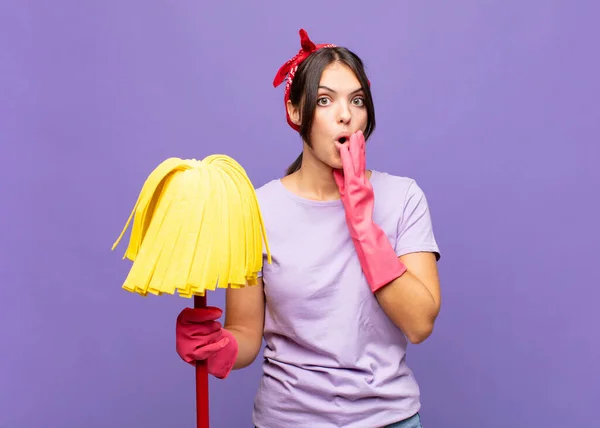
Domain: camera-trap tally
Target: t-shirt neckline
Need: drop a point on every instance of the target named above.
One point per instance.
(315, 203)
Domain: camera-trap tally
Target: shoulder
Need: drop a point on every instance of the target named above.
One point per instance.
(405, 202)
(271, 199)
(396, 187)
(268, 190)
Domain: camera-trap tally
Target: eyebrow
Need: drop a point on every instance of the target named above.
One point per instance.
(331, 90)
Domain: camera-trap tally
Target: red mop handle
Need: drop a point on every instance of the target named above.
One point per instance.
(202, 419)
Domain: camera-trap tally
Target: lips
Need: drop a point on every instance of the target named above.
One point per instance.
(342, 137)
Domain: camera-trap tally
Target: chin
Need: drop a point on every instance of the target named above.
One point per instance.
(337, 164)
(333, 161)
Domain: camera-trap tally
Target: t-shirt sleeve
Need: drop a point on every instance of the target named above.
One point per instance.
(262, 200)
(415, 229)
(264, 260)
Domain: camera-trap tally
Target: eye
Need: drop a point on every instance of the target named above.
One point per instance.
(358, 101)
(322, 101)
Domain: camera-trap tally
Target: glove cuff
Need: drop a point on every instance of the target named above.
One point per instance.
(378, 259)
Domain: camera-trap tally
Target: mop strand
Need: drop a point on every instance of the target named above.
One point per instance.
(197, 226)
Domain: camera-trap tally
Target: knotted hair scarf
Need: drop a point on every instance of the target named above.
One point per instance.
(288, 70)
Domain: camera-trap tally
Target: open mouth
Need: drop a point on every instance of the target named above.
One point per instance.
(343, 138)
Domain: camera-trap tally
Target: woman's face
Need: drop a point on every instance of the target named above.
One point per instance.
(340, 112)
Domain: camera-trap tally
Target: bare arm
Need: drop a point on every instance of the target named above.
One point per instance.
(413, 300)
(244, 318)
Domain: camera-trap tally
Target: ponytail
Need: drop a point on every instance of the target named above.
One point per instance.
(295, 166)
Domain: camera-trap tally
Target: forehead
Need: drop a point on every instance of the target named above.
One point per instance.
(339, 77)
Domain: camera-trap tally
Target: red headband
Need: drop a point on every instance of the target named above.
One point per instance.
(289, 69)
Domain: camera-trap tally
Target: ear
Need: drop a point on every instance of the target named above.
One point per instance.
(293, 112)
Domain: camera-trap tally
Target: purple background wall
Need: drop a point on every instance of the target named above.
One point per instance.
(492, 106)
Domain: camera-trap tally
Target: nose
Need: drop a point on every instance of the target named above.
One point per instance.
(344, 114)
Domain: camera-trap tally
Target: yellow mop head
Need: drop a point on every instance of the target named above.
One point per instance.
(197, 226)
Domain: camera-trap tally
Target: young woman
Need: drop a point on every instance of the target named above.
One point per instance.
(353, 278)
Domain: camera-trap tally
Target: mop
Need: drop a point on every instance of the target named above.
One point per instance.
(197, 226)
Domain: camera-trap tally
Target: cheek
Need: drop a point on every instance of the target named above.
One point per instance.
(320, 120)
(362, 117)
(320, 129)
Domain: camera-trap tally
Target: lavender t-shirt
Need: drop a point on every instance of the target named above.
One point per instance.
(333, 358)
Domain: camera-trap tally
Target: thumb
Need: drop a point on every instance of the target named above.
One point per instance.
(338, 176)
(206, 351)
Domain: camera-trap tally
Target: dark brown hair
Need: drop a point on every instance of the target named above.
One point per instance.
(305, 86)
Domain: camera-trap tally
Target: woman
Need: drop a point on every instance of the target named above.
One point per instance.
(352, 280)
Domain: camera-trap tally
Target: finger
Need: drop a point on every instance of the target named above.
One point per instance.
(199, 315)
(203, 352)
(355, 152)
(207, 339)
(339, 146)
(338, 176)
(348, 175)
(363, 153)
(197, 337)
(346, 160)
(206, 328)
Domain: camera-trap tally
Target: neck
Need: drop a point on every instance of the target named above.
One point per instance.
(317, 183)
(314, 180)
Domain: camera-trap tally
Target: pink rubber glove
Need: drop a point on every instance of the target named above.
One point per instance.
(200, 337)
(377, 256)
